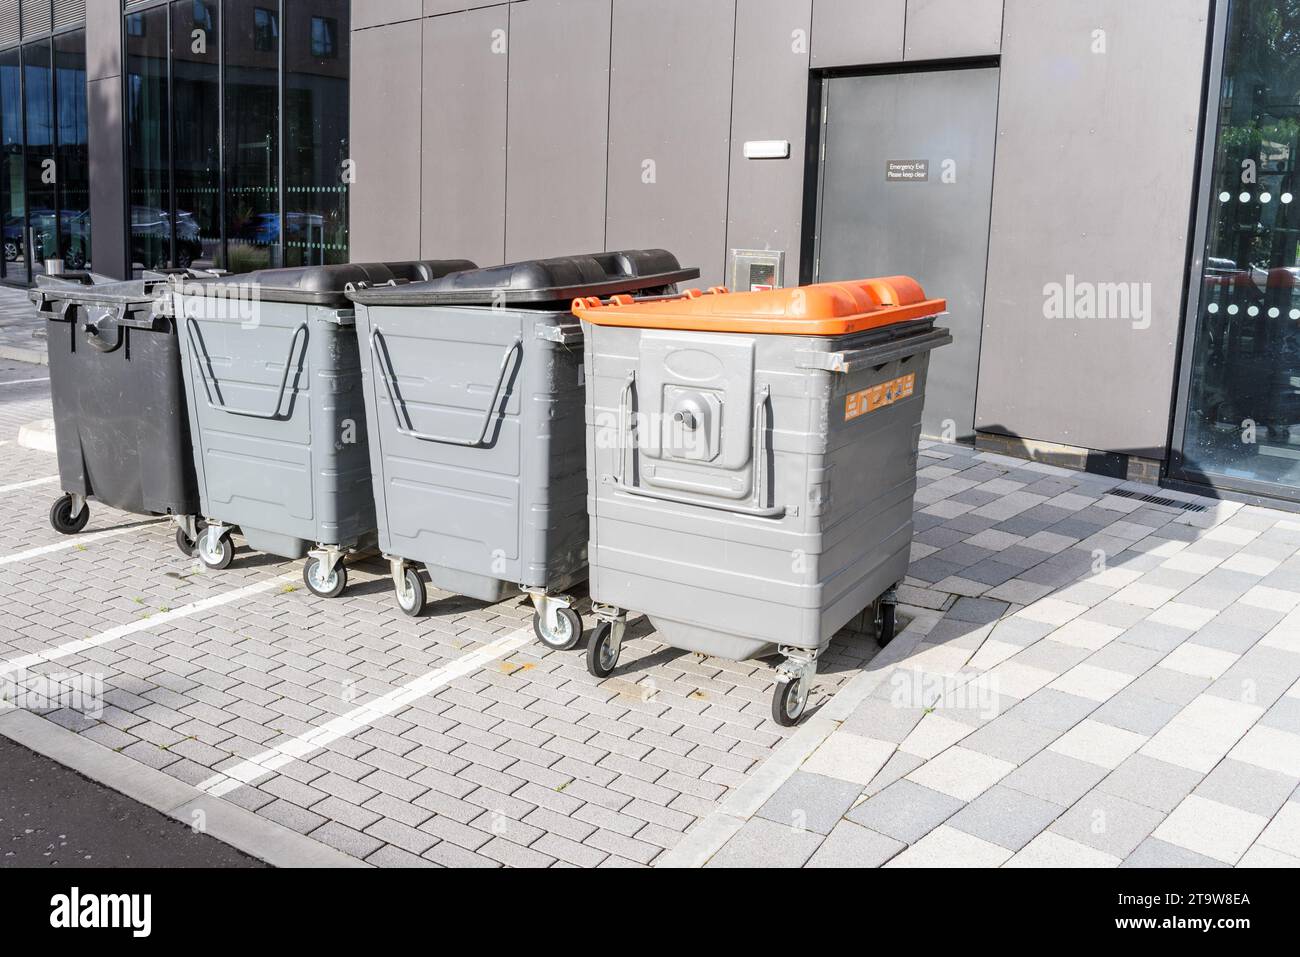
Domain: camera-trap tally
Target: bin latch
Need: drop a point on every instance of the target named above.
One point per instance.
(103, 331)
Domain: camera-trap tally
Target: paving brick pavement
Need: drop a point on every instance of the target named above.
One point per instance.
(526, 761)
(1096, 680)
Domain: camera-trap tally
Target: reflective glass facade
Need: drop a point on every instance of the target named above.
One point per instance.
(1242, 424)
(45, 165)
(237, 132)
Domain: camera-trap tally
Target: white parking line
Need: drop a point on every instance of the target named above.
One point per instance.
(248, 771)
(144, 624)
(32, 484)
(72, 542)
(25, 381)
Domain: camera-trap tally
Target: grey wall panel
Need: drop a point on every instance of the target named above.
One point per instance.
(372, 13)
(1093, 181)
(433, 8)
(385, 200)
(107, 177)
(670, 87)
(103, 39)
(856, 32)
(463, 209)
(938, 29)
(558, 127)
(769, 102)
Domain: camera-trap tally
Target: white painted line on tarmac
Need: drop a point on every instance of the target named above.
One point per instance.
(144, 624)
(24, 381)
(32, 484)
(73, 542)
(271, 760)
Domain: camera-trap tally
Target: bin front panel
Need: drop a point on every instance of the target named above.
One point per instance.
(827, 532)
(477, 444)
(279, 423)
(120, 420)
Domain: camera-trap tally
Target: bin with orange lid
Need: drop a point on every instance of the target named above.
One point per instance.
(751, 466)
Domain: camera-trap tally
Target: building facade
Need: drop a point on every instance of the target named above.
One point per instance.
(1103, 190)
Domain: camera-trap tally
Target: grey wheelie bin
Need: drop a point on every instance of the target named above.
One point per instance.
(752, 466)
(119, 401)
(279, 425)
(474, 398)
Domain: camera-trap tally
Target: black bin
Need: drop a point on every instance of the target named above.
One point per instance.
(121, 425)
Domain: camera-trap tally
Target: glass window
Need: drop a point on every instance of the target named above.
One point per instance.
(266, 30)
(1243, 410)
(316, 136)
(324, 37)
(42, 164)
(13, 192)
(73, 152)
(149, 185)
(252, 139)
(196, 111)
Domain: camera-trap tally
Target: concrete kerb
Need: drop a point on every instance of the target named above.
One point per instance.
(31, 356)
(709, 834)
(270, 842)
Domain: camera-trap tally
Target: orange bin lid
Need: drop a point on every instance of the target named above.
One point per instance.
(824, 309)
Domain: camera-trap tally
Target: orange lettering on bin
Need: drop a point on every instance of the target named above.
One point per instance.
(879, 396)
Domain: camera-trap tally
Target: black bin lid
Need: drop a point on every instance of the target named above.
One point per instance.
(328, 285)
(539, 281)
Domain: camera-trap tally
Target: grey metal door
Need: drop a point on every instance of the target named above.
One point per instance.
(905, 188)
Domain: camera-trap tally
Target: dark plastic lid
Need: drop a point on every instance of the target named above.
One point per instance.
(559, 280)
(92, 289)
(327, 285)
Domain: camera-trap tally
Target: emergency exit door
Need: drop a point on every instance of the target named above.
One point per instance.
(905, 185)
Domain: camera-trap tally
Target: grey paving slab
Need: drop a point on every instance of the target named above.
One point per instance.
(1155, 853)
(850, 845)
(1054, 777)
(810, 801)
(905, 811)
(1108, 823)
(1006, 817)
(1150, 782)
(1134, 711)
(763, 843)
(1010, 739)
(1053, 709)
(1248, 787)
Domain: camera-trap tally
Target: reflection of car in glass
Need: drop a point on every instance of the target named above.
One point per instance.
(264, 228)
(75, 239)
(151, 237)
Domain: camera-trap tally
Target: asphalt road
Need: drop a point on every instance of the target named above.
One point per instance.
(51, 816)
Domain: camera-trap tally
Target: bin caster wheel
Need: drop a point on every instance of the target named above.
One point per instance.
(602, 658)
(188, 546)
(886, 619)
(789, 701)
(412, 598)
(215, 552)
(62, 520)
(566, 636)
(321, 585)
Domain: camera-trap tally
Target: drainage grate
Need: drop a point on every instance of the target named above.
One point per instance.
(1158, 500)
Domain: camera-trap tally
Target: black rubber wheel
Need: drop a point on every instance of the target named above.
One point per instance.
(416, 598)
(600, 661)
(886, 621)
(216, 557)
(568, 635)
(322, 587)
(62, 520)
(188, 546)
(787, 703)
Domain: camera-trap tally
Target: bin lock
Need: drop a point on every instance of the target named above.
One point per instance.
(693, 424)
